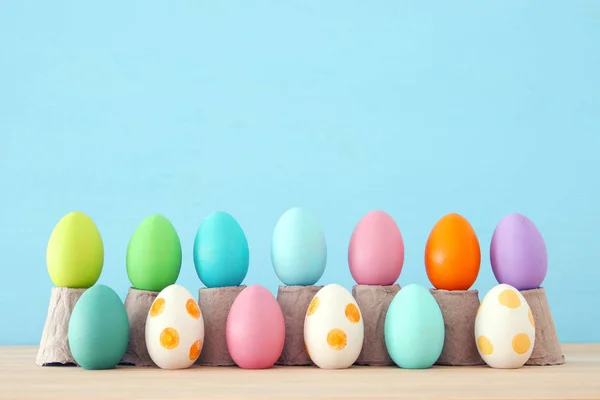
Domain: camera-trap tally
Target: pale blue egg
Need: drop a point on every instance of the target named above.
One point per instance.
(414, 328)
(298, 248)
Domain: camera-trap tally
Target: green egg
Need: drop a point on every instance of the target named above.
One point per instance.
(98, 329)
(414, 328)
(75, 252)
(154, 254)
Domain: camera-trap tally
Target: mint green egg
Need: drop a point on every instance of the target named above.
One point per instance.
(98, 329)
(414, 328)
(154, 254)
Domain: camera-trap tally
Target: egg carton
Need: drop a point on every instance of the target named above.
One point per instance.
(54, 345)
(547, 349)
(459, 310)
(294, 301)
(215, 304)
(137, 305)
(373, 301)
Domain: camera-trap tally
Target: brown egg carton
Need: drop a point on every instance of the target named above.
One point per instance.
(546, 349)
(215, 304)
(373, 302)
(294, 301)
(459, 309)
(137, 305)
(54, 346)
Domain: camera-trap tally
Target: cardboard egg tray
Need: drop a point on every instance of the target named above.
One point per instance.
(459, 309)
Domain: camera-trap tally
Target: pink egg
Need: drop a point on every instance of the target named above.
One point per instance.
(255, 329)
(376, 250)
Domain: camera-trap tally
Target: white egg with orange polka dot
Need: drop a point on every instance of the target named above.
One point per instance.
(174, 329)
(333, 328)
(504, 328)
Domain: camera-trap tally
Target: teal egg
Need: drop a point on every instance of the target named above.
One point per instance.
(221, 253)
(414, 328)
(98, 329)
(298, 248)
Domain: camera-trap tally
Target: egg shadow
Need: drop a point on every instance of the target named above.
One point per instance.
(57, 364)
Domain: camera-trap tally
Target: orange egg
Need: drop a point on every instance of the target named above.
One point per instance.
(452, 254)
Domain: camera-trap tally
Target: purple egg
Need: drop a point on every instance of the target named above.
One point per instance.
(518, 253)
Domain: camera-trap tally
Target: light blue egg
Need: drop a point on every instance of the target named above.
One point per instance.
(221, 253)
(298, 248)
(414, 328)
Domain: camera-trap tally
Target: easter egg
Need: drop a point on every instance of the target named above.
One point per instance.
(221, 253)
(154, 254)
(518, 253)
(98, 332)
(333, 328)
(414, 328)
(174, 329)
(255, 329)
(75, 253)
(504, 328)
(376, 250)
(452, 254)
(298, 248)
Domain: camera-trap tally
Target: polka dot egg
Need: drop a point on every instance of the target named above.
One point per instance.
(504, 328)
(333, 328)
(174, 329)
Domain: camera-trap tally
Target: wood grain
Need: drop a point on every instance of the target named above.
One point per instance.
(579, 378)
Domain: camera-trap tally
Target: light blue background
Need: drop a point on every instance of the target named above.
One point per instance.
(124, 109)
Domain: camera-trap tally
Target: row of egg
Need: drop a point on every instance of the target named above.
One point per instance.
(333, 328)
(518, 256)
(414, 330)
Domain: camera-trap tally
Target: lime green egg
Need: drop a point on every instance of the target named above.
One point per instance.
(154, 254)
(75, 253)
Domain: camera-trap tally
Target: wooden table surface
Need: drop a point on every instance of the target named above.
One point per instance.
(579, 378)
